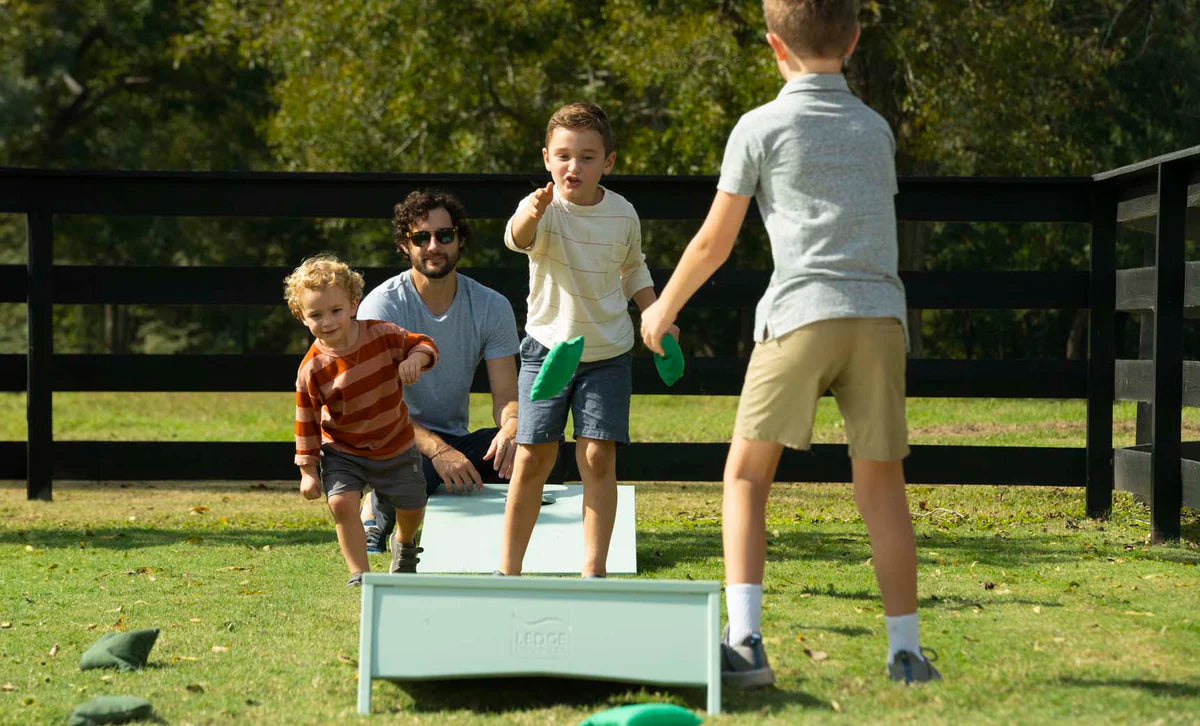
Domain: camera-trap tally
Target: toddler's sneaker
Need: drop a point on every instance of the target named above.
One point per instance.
(914, 668)
(745, 664)
(404, 557)
(376, 542)
(355, 580)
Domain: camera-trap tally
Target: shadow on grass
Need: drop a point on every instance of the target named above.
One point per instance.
(129, 538)
(499, 695)
(663, 550)
(1170, 689)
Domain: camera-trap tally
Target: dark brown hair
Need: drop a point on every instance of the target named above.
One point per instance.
(417, 205)
(813, 28)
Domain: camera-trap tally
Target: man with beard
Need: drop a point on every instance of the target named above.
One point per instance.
(470, 323)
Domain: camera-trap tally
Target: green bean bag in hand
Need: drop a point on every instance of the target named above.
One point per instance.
(557, 370)
(644, 714)
(127, 651)
(111, 709)
(670, 366)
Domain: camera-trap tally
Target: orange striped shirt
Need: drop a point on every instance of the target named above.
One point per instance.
(353, 399)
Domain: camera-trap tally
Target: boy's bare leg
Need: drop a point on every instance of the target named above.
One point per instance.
(749, 471)
(597, 461)
(351, 538)
(408, 523)
(367, 511)
(531, 466)
(883, 504)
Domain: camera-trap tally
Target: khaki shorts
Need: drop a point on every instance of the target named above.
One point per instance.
(861, 360)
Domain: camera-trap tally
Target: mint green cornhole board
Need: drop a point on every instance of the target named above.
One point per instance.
(462, 534)
(422, 627)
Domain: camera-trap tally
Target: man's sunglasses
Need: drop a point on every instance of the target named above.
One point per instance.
(444, 236)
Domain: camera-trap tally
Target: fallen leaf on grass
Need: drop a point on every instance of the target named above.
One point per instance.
(199, 509)
(347, 659)
(54, 650)
(835, 706)
(6, 625)
(1139, 614)
(177, 658)
(799, 637)
(195, 620)
(817, 655)
(108, 677)
(220, 649)
(1037, 608)
(8, 687)
(195, 688)
(120, 624)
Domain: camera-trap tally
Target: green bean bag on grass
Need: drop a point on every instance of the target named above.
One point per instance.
(557, 369)
(644, 714)
(127, 651)
(111, 709)
(670, 366)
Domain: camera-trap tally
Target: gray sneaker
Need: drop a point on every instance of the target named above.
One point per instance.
(914, 668)
(745, 665)
(355, 580)
(404, 557)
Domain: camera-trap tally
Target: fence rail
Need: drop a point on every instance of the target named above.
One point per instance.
(1130, 194)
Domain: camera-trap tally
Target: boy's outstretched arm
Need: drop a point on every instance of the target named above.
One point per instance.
(525, 221)
(707, 251)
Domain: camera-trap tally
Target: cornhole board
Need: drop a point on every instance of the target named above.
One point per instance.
(462, 534)
(423, 627)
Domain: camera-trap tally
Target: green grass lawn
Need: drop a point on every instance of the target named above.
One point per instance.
(268, 416)
(1039, 615)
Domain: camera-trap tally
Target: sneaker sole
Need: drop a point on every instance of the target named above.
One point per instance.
(759, 678)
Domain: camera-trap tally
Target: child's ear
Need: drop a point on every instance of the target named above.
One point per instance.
(608, 163)
(779, 47)
(853, 41)
(354, 307)
(546, 157)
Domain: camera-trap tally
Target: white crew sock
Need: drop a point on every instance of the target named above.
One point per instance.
(744, 603)
(903, 634)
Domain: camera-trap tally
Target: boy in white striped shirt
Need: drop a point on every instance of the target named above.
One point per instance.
(584, 244)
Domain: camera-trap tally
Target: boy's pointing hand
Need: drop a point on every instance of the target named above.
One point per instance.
(541, 200)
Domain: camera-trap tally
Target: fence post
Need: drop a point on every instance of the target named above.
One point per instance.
(1102, 302)
(39, 384)
(1166, 476)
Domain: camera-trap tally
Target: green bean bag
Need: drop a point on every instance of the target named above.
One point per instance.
(111, 709)
(644, 714)
(127, 651)
(557, 370)
(670, 366)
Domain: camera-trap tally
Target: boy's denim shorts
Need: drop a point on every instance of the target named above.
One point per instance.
(597, 398)
(399, 480)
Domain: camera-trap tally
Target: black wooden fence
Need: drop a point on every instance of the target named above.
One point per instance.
(42, 195)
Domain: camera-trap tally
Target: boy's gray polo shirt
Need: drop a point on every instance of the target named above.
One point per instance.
(479, 325)
(820, 164)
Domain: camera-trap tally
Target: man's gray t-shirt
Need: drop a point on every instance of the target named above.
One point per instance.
(820, 164)
(479, 325)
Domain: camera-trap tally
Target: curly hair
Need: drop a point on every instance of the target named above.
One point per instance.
(320, 272)
(579, 116)
(820, 28)
(417, 205)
